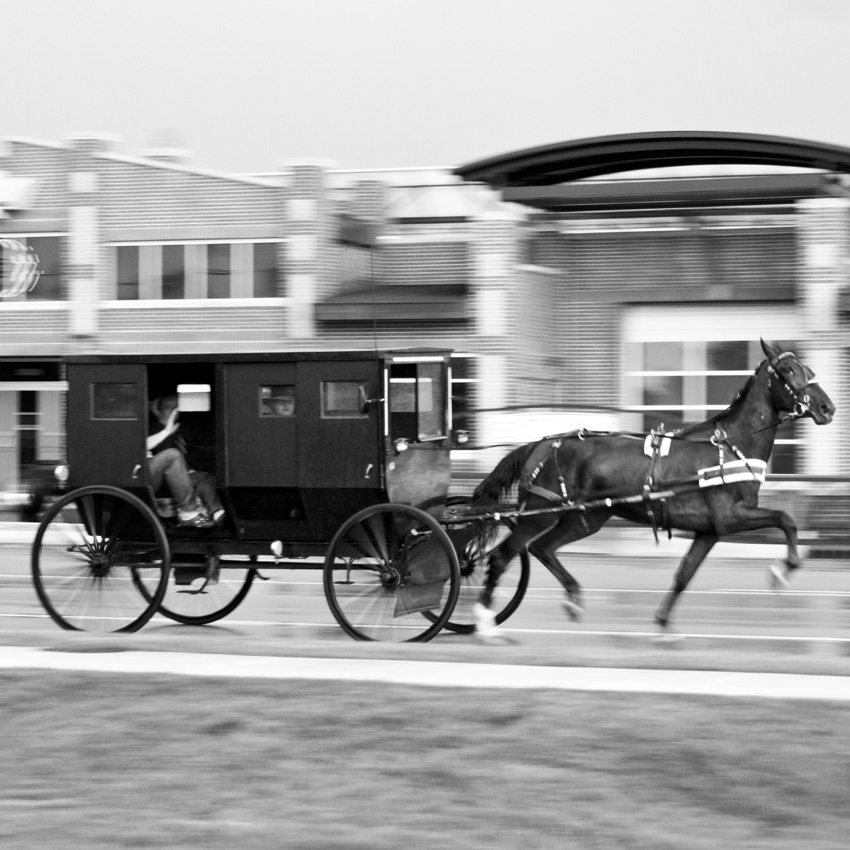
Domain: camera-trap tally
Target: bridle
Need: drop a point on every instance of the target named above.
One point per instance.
(798, 400)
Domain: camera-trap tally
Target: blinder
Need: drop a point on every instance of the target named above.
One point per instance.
(799, 399)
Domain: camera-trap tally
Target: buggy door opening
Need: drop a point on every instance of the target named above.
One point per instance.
(417, 400)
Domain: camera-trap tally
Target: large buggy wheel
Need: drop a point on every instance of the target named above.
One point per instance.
(91, 550)
(391, 574)
(199, 594)
(473, 558)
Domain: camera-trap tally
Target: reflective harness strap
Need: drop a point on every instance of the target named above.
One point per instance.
(655, 443)
(720, 438)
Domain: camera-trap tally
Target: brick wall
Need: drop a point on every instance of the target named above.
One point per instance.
(604, 271)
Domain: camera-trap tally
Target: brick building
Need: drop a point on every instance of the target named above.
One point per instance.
(615, 301)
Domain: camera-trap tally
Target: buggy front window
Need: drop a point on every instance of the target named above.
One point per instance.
(417, 401)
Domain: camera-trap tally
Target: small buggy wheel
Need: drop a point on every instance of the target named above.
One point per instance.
(201, 593)
(473, 556)
(89, 550)
(391, 574)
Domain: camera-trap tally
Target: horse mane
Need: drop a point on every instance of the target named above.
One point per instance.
(500, 481)
(734, 405)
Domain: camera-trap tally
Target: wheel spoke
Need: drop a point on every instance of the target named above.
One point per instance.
(82, 563)
(406, 566)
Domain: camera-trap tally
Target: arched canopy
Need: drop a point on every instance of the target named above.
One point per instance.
(568, 161)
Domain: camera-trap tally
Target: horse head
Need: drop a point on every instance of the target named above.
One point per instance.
(793, 387)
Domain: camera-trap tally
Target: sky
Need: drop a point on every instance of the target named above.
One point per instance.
(247, 85)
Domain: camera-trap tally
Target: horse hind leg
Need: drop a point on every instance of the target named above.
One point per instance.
(484, 618)
(498, 561)
(545, 547)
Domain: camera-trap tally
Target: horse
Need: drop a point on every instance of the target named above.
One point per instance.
(703, 479)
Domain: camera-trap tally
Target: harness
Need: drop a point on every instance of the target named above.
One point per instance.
(657, 445)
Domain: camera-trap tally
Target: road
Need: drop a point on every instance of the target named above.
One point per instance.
(728, 606)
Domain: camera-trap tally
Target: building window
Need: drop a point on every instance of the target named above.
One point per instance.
(680, 383)
(127, 272)
(265, 269)
(173, 272)
(48, 251)
(218, 270)
(49, 286)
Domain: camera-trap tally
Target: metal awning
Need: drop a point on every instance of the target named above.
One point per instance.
(396, 303)
(578, 160)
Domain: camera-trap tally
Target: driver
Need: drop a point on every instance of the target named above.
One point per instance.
(198, 504)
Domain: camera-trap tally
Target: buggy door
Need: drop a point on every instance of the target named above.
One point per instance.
(261, 424)
(107, 423)
(339, 437)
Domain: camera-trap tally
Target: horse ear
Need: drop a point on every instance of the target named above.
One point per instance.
(769, 352)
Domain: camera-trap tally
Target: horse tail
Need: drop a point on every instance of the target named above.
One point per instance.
(494, 488)
(500, 481)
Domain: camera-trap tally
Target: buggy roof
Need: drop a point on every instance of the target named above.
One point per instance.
(261, 356)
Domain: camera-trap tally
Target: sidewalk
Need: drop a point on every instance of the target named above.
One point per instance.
(439, 674)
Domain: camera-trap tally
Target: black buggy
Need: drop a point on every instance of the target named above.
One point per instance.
(354, 481)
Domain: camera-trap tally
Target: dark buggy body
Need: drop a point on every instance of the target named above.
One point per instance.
(354, 482)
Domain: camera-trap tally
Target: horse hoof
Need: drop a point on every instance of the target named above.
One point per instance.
(668, 638)
(573, 610)
(666, 635)
(486, 630)
(776, 580)
(499, 638)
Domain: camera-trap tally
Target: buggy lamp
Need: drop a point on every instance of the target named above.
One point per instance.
(461, 437)
(62, 473)
(401, 445)
(277, 548)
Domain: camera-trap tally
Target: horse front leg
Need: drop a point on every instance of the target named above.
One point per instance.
(752, 519)
(702, 545)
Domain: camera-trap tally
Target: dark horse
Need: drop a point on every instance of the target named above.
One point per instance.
(570, 486)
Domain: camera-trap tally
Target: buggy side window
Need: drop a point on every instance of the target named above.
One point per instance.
(277, 400)
(114, 401)
(344, 400)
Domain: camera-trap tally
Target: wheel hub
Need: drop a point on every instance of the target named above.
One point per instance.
(100, 564)
(390, 577)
